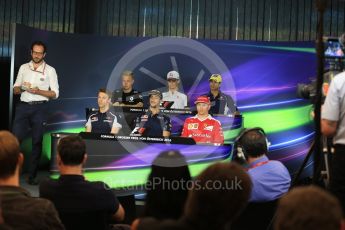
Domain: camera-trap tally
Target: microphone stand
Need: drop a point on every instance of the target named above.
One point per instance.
(321, 6)
(316, 146)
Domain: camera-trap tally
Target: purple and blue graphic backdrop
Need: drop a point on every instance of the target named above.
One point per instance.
(260, 76)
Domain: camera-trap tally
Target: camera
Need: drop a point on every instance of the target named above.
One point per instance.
(335, 59)
(307, 91)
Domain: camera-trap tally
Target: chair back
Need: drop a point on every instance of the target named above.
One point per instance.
(256, 216)
(84, 220)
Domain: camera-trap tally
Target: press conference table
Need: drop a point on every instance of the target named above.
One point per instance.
(113, 152)
(124, 151)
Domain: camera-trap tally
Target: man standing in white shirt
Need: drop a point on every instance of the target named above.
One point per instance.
(36, 84)
(179, 99)
(333, 125)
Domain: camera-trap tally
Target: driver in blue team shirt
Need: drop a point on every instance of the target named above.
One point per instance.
(103, 121)
(153, 122)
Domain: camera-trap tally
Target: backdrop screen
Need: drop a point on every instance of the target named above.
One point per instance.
(260, 76)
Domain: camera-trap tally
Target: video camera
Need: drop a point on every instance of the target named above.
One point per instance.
(307, 91)
(335, 59)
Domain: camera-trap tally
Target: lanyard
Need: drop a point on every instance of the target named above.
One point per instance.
(42, 72)
(258, 164)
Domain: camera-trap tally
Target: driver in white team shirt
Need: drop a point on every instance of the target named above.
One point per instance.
(179, 99)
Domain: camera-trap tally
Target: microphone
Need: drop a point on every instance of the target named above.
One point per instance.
(140, 129)
(165, 104)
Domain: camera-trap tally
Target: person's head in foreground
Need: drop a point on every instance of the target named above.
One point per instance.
(253, 143)
(71, 154)
(167, 186)
(308, 208)
(11, 159)
(219, 195)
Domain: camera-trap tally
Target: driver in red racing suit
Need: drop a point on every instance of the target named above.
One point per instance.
(203, 128)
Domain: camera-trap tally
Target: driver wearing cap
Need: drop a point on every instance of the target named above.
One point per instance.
(203, 128)
(154, 122)
(221, 103)
(179, 99)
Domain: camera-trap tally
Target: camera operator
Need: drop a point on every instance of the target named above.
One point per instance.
(333, 125)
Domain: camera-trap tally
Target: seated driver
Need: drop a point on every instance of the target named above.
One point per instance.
(153, 123)
(103, 121)
(203, 128)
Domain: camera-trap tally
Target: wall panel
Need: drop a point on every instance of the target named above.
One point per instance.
(267, 20)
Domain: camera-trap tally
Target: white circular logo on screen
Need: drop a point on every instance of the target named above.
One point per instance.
(147, 49)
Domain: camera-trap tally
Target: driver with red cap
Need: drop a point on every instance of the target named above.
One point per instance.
(203, 128)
